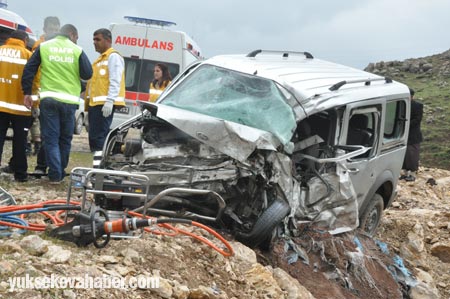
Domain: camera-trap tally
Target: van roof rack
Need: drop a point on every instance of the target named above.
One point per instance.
(284, 54)
(145, 21)
(367, 81)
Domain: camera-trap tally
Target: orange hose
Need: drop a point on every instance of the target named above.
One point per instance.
(172, 230)
(229, 251)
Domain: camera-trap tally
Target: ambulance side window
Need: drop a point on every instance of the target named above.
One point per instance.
(147, 73)
(131, 66)
(139, 73)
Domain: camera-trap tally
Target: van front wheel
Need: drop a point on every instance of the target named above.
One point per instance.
(265, 225)
(78, 124)
(371, 217)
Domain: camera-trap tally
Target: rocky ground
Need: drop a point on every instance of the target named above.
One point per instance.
(315, 265)
(417, 227)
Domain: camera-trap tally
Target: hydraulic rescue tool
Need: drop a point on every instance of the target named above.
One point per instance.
(113, 205)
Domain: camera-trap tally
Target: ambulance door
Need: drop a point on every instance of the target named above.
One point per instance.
(164, 46)
(130, 41)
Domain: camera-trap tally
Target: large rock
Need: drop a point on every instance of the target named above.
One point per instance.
(290, 285)
(56, 254)
(422, 291)
(262, 280)
(164, 290)
(34, 245)
(243, 253)
(442, 251)
(203, 292)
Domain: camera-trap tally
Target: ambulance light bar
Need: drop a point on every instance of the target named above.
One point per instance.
(145, 21)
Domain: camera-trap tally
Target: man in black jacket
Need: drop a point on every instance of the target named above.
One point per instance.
(411, 162)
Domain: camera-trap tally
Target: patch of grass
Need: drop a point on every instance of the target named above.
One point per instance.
(76, 159)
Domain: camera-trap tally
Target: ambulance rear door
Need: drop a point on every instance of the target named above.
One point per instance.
(127, 39)
(142, 47)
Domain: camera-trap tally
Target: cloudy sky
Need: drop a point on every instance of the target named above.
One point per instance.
(352, 32)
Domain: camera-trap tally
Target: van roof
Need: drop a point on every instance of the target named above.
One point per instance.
(312, 81)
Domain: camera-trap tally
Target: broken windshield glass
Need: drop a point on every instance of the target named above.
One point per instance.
(236, 97)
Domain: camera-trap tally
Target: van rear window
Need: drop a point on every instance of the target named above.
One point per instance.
(139, 73)
(394, 124)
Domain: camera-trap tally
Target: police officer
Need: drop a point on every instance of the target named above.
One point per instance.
(62, 65)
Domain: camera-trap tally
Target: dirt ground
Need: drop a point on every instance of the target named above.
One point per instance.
(327, 266)
(331, 271)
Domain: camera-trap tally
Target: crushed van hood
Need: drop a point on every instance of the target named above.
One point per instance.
(232, 139)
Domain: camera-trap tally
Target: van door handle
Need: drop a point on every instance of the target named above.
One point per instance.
(353, 170)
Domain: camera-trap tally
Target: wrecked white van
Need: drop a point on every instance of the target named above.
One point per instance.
(275, 140)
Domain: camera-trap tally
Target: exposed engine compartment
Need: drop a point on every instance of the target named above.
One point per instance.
(171, 158)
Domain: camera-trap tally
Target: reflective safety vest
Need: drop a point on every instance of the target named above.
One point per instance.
(155, 92)
(13, 57)
(60, 70)
(98, 85)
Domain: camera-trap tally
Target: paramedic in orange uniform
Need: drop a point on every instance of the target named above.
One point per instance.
(13, 57)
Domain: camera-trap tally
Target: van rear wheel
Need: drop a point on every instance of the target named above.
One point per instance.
(371, 217)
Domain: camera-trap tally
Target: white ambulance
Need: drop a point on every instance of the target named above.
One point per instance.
(10, 21)
(143, 43)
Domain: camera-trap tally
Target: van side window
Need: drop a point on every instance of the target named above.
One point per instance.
(362, 129)
(394, 123)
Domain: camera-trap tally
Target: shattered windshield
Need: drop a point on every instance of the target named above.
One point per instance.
(236, 97)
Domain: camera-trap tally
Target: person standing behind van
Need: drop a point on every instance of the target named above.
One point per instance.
(162, 78)
(13, 56)
(62, 64)
(105, 90)
(411, 162)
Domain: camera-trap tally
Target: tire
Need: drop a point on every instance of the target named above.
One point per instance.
(371, 217)
(78, 124)
(264, 226)
(86, 122)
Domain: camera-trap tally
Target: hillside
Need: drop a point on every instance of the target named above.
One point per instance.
(313, 265)
(430, 78)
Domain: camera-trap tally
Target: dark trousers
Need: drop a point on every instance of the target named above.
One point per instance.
(57, 125)
(20, 125)
(411, 161)
(41, 162)
(98, 127)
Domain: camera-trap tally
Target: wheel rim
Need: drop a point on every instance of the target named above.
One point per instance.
(372, 220)
(79, 124)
